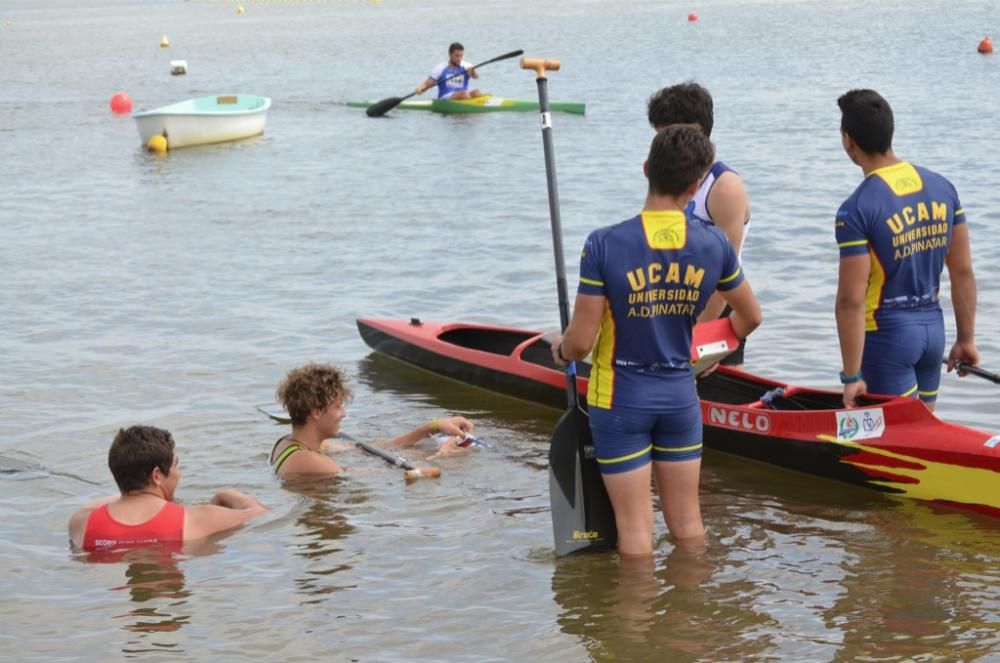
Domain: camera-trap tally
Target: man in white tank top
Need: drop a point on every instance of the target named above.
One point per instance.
(721, 198)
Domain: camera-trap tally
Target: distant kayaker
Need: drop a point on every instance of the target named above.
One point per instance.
(643, 283)
(721, 197)
(145, 467)
(446, 76)
(315, 397)
(896, 233)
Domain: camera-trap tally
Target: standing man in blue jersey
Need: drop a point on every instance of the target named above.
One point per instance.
(721, 197)
(643, 283)
(896, 233)
(441, 76)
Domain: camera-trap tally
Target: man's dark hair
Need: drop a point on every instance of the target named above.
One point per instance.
(135, 452)
(678, 157)
(455, 46)
(867, 118)
(685, 103)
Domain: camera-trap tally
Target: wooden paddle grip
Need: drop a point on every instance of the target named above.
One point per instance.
(422, 472)
(539, 65)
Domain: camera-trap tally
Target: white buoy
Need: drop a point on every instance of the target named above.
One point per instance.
(164, 42)
(178, 67)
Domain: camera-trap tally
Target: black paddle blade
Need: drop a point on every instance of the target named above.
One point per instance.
(380, 108)
(582, 517)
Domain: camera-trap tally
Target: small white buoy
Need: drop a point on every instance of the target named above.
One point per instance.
(164, 42)
(239, 10)
(178, 67)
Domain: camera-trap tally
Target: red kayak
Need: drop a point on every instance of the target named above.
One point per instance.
(892, 444)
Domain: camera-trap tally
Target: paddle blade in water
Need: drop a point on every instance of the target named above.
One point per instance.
(380, 108)
(582, 517)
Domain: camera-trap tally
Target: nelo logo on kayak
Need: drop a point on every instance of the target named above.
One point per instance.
(739, 419)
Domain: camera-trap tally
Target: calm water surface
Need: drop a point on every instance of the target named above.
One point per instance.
(177, 291)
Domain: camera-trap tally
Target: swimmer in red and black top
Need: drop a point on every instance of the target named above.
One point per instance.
(145, 467)
(896, 233)
(643, 284)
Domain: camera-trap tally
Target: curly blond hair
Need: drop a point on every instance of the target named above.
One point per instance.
(311, 387)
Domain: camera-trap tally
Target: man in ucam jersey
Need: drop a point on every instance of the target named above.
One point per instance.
(721, 197)
(643, 283)
(452, 77)
(896, 232)
(145, 467)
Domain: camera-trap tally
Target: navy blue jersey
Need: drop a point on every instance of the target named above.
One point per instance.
(903, 216)
(656, 271)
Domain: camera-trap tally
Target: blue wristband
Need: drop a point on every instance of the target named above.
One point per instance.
(849, 379)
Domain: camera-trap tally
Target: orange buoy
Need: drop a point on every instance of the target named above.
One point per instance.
(985, 46)
(121, 103)
(692, 17)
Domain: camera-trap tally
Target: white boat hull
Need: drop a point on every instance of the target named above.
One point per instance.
(184, 124)
(187, 130)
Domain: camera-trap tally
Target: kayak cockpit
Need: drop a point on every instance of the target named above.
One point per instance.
(733, 387)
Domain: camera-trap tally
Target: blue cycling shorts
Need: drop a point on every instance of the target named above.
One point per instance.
(905, 360)
(625, 440)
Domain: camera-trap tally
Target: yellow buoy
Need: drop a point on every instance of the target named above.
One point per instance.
(157, 144)
(164, 42)
(239, 10)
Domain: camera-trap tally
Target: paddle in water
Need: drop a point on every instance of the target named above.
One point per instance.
(962, 367)
(412, 472)
(380, 108)
(582, 517)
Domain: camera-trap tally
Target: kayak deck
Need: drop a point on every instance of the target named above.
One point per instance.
(484, 104)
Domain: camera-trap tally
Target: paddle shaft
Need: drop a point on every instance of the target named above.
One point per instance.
(555, 219)
(412, 472)
(382, 107)
(381, 453)
(974, 370)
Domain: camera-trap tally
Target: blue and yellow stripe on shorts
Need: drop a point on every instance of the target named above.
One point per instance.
(673, 454)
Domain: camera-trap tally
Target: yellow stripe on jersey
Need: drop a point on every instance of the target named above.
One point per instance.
(665, 229)
(959, 212)
(730, 278)
(853, 242)
(873, 297)
(928, 393)
(601, 390)
(901, 177)
(592, 282)
(910, 392)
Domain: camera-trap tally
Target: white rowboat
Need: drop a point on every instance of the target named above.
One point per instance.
(205, 120)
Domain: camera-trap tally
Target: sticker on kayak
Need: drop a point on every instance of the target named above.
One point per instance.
(494, 101)
(546, 120)
(860, 424)
(993, 442)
